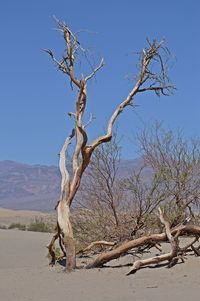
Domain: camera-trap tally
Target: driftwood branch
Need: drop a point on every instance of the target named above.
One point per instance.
(187, 247)
(196, 250)
(95, 244)
(157, 259)
(189, 230)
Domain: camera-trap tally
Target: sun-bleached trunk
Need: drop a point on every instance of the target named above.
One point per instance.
(64, 223)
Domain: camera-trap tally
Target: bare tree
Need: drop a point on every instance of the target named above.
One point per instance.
(146, 80)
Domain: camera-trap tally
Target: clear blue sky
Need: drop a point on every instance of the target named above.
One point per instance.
(34, 96)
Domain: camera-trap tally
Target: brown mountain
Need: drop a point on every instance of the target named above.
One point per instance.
(36, 187)
(33, 187)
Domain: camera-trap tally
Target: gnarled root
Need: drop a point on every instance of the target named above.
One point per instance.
(51, 247)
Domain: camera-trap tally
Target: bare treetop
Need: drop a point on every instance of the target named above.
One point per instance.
(155, 56)
(70, 56)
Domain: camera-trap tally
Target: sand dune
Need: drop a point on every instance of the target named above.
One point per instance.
(8, 216)
(26, 276)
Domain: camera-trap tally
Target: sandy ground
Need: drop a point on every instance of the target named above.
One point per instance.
(26, 276)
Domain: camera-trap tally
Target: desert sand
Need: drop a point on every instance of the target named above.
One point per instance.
(26, 276)
(8, 216)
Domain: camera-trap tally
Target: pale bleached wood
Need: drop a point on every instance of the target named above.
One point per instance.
(96, 244)
(65, 179)
(164, 257)
(189, 230)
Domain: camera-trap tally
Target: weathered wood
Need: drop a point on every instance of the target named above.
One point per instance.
(168, 256)
(196, 250)
(51, 248)
(96, 244)
(82, 151)
(67, 234)
(105, 257)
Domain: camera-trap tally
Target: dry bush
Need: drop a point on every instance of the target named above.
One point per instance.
(118, 209)
(175, 161)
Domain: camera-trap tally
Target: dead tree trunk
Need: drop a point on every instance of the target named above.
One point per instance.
(147, 80)
(65, 231)
(105, 257)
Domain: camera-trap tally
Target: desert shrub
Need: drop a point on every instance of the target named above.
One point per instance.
(39, 225)
(3, 227)
(17, 226)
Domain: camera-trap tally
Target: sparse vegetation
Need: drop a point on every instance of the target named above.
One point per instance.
(19, 226)
(3, 227)
(125, 209)
(39, 225)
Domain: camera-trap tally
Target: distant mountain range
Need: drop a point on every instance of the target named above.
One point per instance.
(36, 187)
(33, 187)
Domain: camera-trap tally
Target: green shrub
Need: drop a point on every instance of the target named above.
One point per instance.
(3, 227)
(39, 225)
(17, 226)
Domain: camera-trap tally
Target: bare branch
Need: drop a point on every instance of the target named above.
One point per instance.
(59, 64)
(158, 90)
(147, 56)
(96, 244)
(89, 121)
(95, 70)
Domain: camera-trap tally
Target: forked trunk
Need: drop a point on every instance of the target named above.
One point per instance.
(82, 151)
(64, 223)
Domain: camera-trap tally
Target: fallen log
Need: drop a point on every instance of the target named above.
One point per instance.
(171, 256)
(196, 250)
(183, 230)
